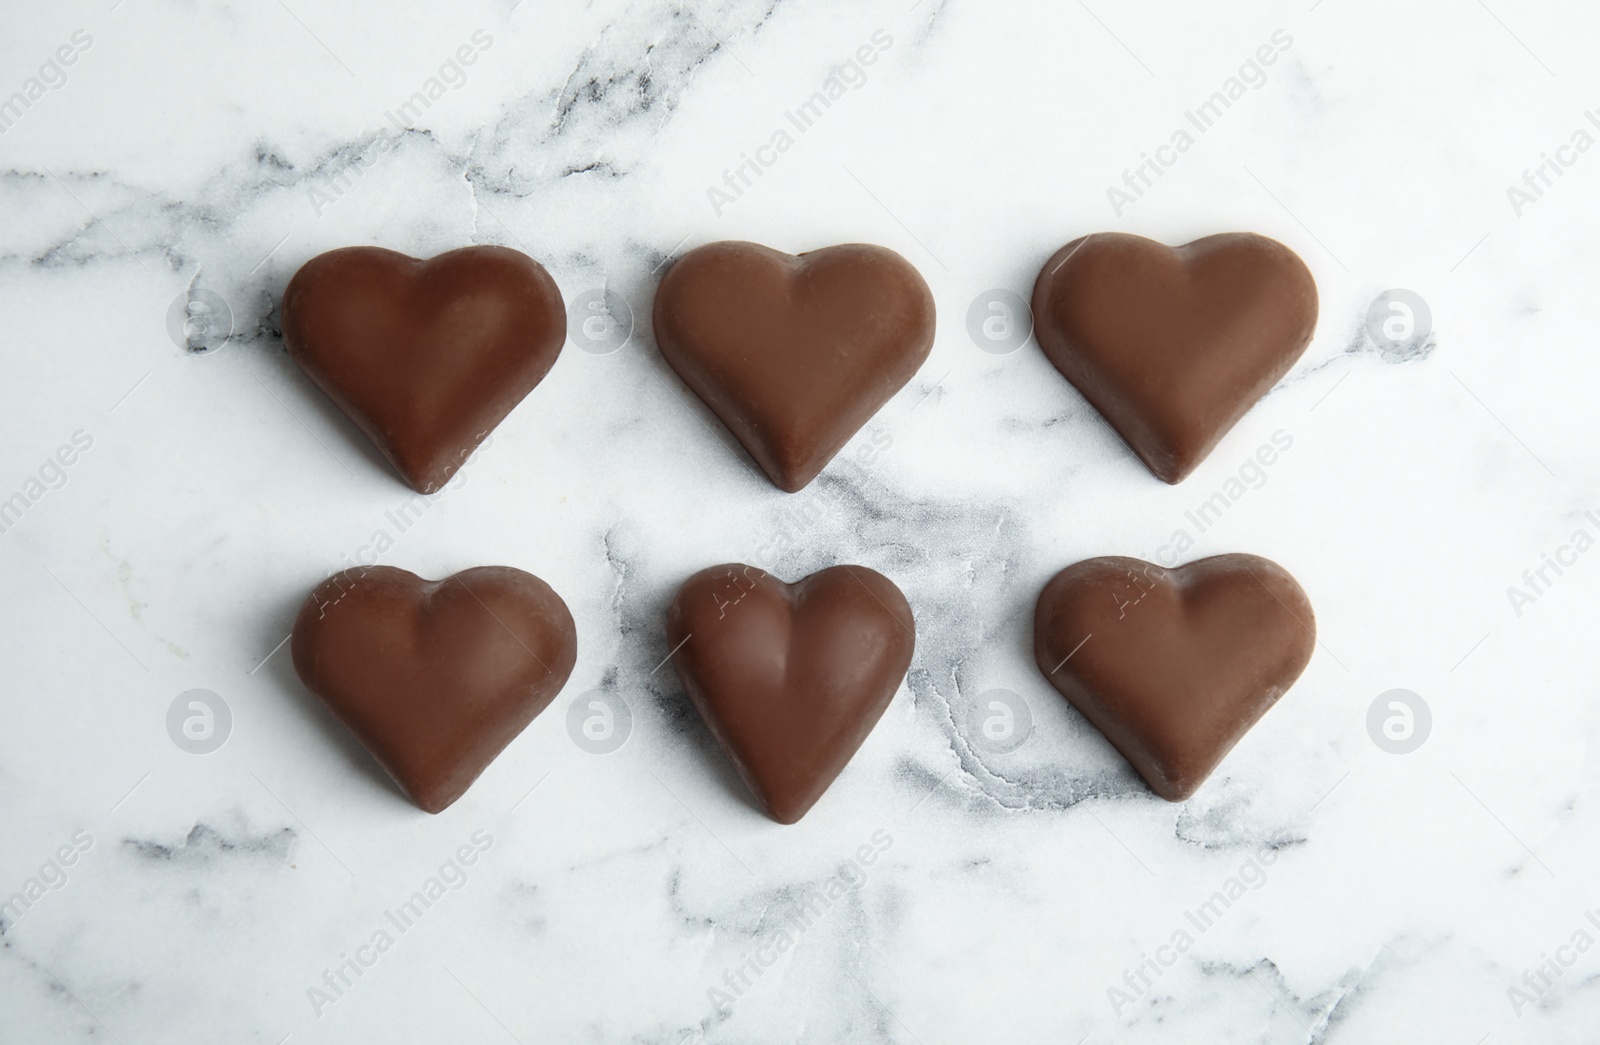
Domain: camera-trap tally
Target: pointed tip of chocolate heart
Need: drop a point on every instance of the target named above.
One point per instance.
(783, 812)
(793, 478)
(435, 802)
(1173, 666)
(1170, 469)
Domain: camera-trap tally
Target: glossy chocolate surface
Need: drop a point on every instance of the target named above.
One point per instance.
(794, 353)
(434, 677)
(790, 678)
(426, 357)
(1174, 345)
(1173, 666)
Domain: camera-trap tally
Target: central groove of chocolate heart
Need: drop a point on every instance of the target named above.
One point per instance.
(434, 678)
(426, 357)
(1173, 666)
(790, 678)
(1174, 345)
(793, 353)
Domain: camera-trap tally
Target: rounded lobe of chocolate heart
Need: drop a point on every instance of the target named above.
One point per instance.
(434, 678)
(1173, 666)
(425, 356)
(1173, 345)
(794, 353)
(790, 678)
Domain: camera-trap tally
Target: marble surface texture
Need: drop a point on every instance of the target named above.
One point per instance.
(169, 155)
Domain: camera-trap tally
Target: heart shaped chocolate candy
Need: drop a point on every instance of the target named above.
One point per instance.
(1173, 666)
(790, 678)
(426, 357)
(435, 678)
(793, 352)
(1174, 344)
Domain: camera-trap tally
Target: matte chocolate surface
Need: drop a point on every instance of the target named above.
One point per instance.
(1173, 666)
(790, 678)
(434, 677)
(427, 357)
(793, 352)
(1173, 345)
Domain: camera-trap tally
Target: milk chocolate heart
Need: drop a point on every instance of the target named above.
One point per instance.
(426, 357)
(793, 353)
(1174, 345)
(435, 678)
(1173, 666)
(790, 678)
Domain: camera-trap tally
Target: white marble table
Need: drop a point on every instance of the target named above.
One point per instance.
(202, 151)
